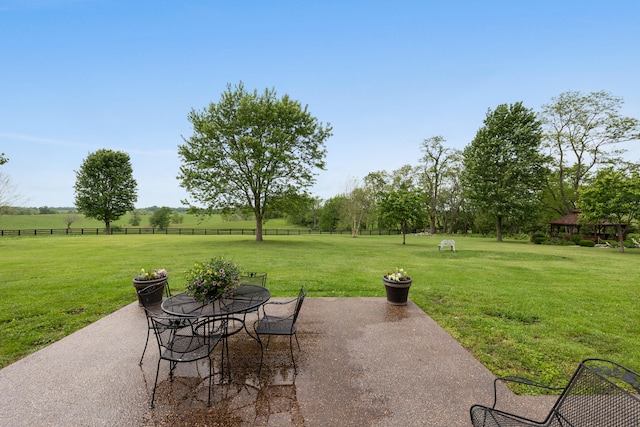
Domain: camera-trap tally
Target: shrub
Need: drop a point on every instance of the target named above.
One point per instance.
(587, 243)
(538, 237)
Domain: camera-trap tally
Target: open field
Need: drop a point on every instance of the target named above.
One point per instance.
(57, 221)
(519, 308)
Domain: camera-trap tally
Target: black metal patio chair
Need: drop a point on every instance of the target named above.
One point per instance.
(144, 297)
(179, 342)
(253, 278)
(600, 393)
(284, 324)
(249, 278)
(152, 308)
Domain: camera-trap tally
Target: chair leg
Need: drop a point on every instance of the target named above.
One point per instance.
(297, 342)
(172, 366)
(295, 369)
(145, 347)
(226, 345)
(210, 375)
(261, 355)
(155, 384)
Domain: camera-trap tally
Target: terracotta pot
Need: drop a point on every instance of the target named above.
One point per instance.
(397, 292)
(154, 297)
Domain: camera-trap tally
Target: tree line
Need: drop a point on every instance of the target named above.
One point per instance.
(521, 170)
(256, 154)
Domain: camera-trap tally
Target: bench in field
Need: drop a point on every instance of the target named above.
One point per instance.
(447, 243)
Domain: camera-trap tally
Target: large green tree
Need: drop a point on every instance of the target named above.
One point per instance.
(105, 188)
(612, 196)
(249, 149)
(581, 131)
(504, 168)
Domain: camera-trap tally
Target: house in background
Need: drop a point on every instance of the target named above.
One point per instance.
(569, 225)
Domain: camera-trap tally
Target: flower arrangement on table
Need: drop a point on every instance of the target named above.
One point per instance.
(397, 275)
(208, 281)
(144, 275)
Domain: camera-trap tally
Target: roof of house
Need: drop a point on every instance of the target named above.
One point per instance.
(574, 219)
(569, 219)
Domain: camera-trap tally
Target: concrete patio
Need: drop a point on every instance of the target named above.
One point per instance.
(363, 363)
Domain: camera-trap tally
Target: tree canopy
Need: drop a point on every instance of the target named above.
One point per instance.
(612, 196)
(249, 149)
(161, 218)
(105, 188)
(402, 208)
(504, 168)
(581, 132)
(438, 166)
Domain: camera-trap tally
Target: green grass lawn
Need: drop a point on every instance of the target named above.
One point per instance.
(519, 308)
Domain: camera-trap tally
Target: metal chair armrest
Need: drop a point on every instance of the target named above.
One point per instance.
(266, 304)
(518, 380)
(483, 416)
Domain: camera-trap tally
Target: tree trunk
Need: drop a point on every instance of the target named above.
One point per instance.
(432, 224)
(620, 237)
(403, 230)
(107, 227)
(499, 229)
(258, 228)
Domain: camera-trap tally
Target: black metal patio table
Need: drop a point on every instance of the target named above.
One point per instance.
(232, 308)
(243, 299)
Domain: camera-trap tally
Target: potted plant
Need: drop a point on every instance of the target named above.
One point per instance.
(151, 277)
(208, 281)
(397, 285)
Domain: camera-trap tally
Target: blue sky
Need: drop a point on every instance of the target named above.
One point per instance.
(80, 75)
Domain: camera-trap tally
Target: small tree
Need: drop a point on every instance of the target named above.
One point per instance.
(401, 208)
(176, 218)
(105, 188)
(161, 218)
(358, 201)
(329, 219)
(9, 195)
(612, 196)
(69, 219)
(135, 218)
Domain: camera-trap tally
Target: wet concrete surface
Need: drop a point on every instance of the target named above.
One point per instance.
(362, 362)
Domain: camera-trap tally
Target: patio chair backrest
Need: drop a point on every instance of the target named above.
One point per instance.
(600, 393)
(146, 294)
(253, 278)
(301, 295)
